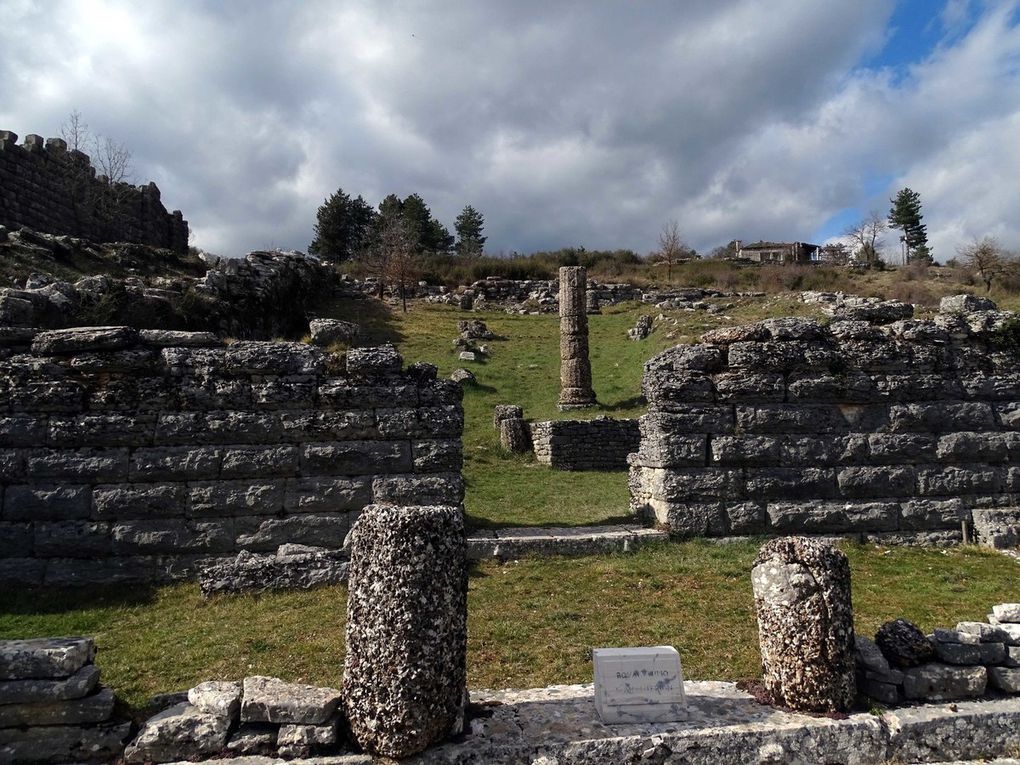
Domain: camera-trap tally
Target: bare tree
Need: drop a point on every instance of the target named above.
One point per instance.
(986, 257)
(672, 248)
(866, 237)
(391, 257)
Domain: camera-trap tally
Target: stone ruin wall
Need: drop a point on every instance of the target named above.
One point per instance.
(136, 455)
(47, 188)
(599, 444)
(787, 426)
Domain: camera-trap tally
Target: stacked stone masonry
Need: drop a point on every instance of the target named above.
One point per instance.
(48, 188)
(139, 455)
(52, 707)
(787, 426)
(599, 444)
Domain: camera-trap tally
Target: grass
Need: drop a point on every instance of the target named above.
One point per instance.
(523, 368)
(531, 623)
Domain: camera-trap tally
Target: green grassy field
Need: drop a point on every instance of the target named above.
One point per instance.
(523, 368)
(531, 623)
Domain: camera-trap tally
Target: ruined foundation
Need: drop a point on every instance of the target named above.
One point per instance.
(575, 369)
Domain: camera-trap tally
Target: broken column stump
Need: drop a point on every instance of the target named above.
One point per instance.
(405, 670)
(575, 368)
(805, 624)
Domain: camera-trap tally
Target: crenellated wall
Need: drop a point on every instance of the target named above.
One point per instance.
(787, 426)
(48, 188)
(136, 455)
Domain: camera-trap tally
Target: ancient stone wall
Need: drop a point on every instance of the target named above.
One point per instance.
(599, 444)
(787, 426)
(131, 455)
(48, 188)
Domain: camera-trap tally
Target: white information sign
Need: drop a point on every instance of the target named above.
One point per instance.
(639, 685)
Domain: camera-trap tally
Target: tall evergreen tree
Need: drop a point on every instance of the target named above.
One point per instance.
(905, 214)
(343, 227)
(469, 226)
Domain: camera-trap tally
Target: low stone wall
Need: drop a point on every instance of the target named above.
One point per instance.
(130, 455)
(599, 444)
(787, 426)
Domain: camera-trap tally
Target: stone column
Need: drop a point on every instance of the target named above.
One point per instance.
(575, 369)
(805, 624)
(405, 671)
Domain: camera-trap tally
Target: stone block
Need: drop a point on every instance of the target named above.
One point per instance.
(27, 572)
(15, 539)
(815, 517)
(96, 708)
(306, 740)
(327, 426)
(182, 731)
(925, 514)
(326, 495)
(101, 430)
(191, 428)
(424, 422)
(692, 484)
(744, 450)
(305, 529)
(147, 537)
(379, 361)
(169, 338)
(273, 358)
(780, 356)
(877, 481)
(437, 456)
(405, 668)
(259, 461)
(175, 463)
(46, 503)
(673, 450)
(355, 457)
(138, 500)
(687, 419)
(64, 743)
(253, 739)
(795, 451)
(23, 430)
(204, 394)
(82, 339)
(685, 520)
(268, 699)
(217, 697)
(235, 498)
(345, 395)
(78, 465)
(978, 447)
(45, 658)
(1005, 679)
(953, 480)
(147, 394)
(71, 539)
(970, 654)
(63, 572)
(1008, 613)
(852, 386)
(940, 417)
(291, 567)
(433, 488)
(942, 682)
(965, 304)
(39, 690)
(749, 388)
(678, 390)
(808, 418)
(790, 483)
(896, 448)
(284, 393)
(992, 633)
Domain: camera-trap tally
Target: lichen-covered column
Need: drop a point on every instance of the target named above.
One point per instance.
(405, 671)
(805, 624)
(575, 369)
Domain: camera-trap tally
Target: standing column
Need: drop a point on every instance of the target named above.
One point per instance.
(575, 369)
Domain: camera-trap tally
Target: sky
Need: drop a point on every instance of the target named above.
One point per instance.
(565, 123)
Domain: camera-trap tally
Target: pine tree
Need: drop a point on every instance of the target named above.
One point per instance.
(905, 214)
(343, 227)
(469, 226)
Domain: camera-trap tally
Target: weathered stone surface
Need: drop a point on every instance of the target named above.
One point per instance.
(903, 644)
(575, 368)
(965, 304)
(169, 338)
(96, 708)
(80, 684)
(63, 743)
(228, 498)
(305, 740)
(993, 633)
(268, 699)
(80, 339)
(404, 680)
(373, 362)
(135, 501)
(515, 436)
(941, 682)
(967, 654)
(181, 732)
(1005, 679)
(328, 331)
(44, 657)
(869, 657)
(291, 567)
(217, 697)
(805, 624)
(41, 502)
(253, 739)
(1007, 612)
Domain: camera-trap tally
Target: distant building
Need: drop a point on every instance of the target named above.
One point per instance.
(778, 252)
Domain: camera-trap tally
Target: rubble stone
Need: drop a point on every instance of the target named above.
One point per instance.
(181, 732)
(903, 644)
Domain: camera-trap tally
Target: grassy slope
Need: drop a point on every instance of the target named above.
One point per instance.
(531, 623)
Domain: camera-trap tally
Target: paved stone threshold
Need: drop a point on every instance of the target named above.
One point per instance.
(508, 544)
(559, 726)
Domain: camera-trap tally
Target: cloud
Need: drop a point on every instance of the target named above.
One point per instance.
(565, 124)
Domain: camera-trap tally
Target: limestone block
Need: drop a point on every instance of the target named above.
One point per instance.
(175, 463)
(965, 304)
(746, 387)
(326, 495)
(234, 498)
(678, 390)
(329, 331)
(355, 457)
(78, 465)
(182, 731)
(80, 684)
(805, 624)
(832, 449)
(978, 447)
(326, 530)
(831, 517)
(669, 450)
(898, 448)
(64, 743)
(687, 419)
(819, 418)
(292, 567)
(953, 480)
(437, 455)
(253, 739)
(217, 697)
(101, 430)
(955, 636)
(305, 740)
(327, 426)
(23, 430)
(211, 393)
(745, 450)
(169, 338)
(869, 657)
(404, 678)
(259, 461)
(344, 394)
(45, 502)
(790, 483)
(903, 644)
(44, 657)
(268, 699)
(989, 633)
(272, 358)
(1007, 612)
(853, 386)
(967, 654)
(941, 417)
(139, 500)
(284, 393)
(926, 514)
(15, 539)
(422, 422)
(506, 411)
(171, 536)
(191, 428)
(1005, 679)
(941, 682)
(373, 362)
(89, 709)
(80, 339)
(71, 539)
(434, 488)
(877, 481)
(787, 356)
(515, 436)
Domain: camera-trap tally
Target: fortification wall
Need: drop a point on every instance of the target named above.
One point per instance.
(786, 426)
(48, 188)
(138, 455)
(599, 444)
